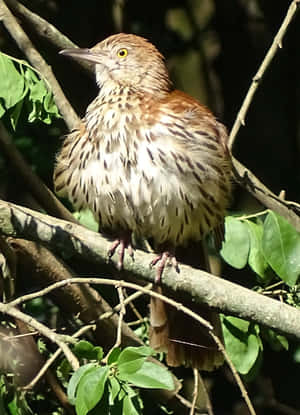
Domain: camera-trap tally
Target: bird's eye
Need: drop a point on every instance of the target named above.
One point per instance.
(122, 53)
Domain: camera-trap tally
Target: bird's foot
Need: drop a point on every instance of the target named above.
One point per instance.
(162, 260)
(124, 243)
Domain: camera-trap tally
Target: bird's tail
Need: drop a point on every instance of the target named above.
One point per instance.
(184, 339)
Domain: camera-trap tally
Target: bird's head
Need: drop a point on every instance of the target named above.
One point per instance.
(128, 60)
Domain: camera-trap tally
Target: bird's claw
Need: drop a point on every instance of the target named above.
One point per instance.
(124, 243)
(162, 260)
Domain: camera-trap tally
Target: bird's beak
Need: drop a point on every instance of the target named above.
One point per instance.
(85, 54)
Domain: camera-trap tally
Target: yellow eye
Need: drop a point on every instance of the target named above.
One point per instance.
(122, 53)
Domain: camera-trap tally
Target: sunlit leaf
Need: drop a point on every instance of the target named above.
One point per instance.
(256, 258)
(12, 85)
(128, 407)
(243, 346)
(73, 383)
(150, 375)
(131, 359)
(281, 248)
(114, 355)
(90, 389)
(235, 249)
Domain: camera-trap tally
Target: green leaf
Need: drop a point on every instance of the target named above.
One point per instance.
(114, 355)
(42, 105)
(12, 85)
(15, 114)
(235, 248)
(114, 389)
(128, 407)
(256, 258)
(131, 359)
(73, 383)
(242, 342)
(255, 369)
(150, 375)
(37, 91)
(33, 109)
(13, 407)
(50, 106)
(103, 407)
(276, 341)
(90, 389)
(281, 248)
(85, 349)
(2, 110)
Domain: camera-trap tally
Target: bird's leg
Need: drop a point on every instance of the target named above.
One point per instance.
(163, 259)
(124, 242)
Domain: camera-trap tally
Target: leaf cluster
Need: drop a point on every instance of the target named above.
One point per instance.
(112, 385)
(270, 246)
(21, 86)
(263, 244)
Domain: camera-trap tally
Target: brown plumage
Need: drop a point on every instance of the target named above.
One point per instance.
(147, 159)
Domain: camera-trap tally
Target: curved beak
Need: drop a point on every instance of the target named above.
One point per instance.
(85, 54)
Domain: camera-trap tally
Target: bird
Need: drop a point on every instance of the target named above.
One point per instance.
(151, 161)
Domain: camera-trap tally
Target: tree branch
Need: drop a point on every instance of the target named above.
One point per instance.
(34, 184)
(204, 288)
(25, 44)
(44, 269)
(44, 330)
(179, 306)
(46, 30)
(276, 44)
(289, 210)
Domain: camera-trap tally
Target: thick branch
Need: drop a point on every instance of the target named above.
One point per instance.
(46, 30)
(45, 269)
(204, 288)
(38, 62)
(289, 210)
(41, 26)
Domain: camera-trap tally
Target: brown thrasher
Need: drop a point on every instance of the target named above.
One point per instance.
(149, 160)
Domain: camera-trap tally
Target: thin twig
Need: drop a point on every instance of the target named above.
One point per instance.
(235, 373)
(276, 44)
(79, 333)
(206, 394)
(122, 313)
(52, 359)
(44, 330)
(18, 336)
(195, 391)
(25, 44)
(133, 308)
(128, 300)
(186, 403)
(46, 30)
(106, 281)
(177, 305)
(41, 26)
(288, 209)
